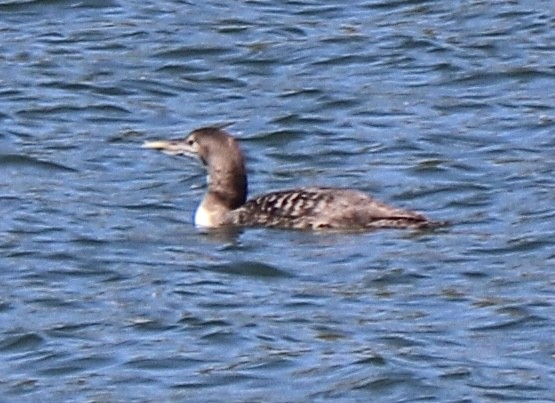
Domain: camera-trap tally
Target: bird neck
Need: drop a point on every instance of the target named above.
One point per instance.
(226, 191)
(227, 183)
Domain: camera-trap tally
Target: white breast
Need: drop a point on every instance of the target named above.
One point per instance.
(203, 218)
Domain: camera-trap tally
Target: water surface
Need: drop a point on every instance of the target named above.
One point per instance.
(107, 291)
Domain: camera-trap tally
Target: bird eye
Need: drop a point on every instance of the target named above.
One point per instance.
(190, 142)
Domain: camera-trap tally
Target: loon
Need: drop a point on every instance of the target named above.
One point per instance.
(312, 208)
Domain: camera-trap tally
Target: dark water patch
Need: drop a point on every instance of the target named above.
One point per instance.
(33, 5)
(5, 306)
(308, 9)
(62, 112)
(259, 65)
(151, 325)
(23, 161)
(201, 323)
(329, 333)
(56, 302)
(249, 269)
(454, 294)
(397, 5)
(195, 322)
(371, 359)
(126, 135)
(218, 81)
(55, 38)
(211, 378)
(184, 69)
(457, 373)
(312, 121)
(347, 60)
(385, 383)
(305, 301)
(349, 34)
(192, 385)
(93, 89)
(490, 79)
(527, 243)
(233, 24)
(397, 276)
(400, 341)
(187, 53)
(475, 274)
(171, 362)
(93, 4)
(503, 324)
(221, 336)
(72, 330)
(337, 104)
(152, 87)
(514, 246)
(73, 366)
(92, 270)
(300, 92)
(145, 206)
(11, 93)
(87, 240)
(20, 343)
(287, 119)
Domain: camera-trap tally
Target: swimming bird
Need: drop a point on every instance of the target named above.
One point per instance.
(310, 208)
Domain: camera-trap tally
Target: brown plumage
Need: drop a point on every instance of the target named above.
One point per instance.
(313, 208)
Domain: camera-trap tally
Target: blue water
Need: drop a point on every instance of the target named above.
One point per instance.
(108, 292)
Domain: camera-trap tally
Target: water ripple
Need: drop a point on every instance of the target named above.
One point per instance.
(23, 161)
(108, 292)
